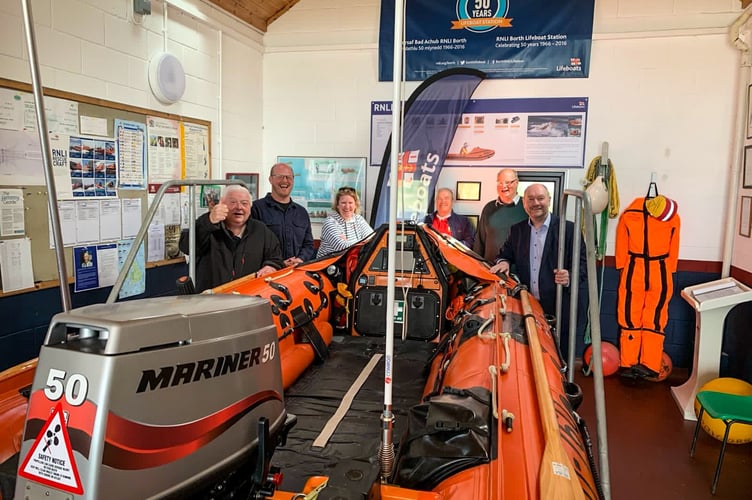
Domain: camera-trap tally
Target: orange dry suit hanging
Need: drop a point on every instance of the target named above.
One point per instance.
(647, 251)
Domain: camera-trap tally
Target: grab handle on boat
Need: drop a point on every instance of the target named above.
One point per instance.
(494, 401)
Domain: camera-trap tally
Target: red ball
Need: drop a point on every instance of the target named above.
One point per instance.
(667, 366)
(609, 355)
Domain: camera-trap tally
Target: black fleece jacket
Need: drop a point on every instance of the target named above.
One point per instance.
(222, 256)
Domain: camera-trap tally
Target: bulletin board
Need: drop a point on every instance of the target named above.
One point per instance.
(35, 197)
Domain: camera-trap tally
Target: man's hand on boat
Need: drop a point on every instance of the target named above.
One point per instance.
(293, 261)
(265, 270)
(500, 267)
(561, 276)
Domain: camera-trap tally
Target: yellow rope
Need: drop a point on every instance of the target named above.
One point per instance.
(613, 190)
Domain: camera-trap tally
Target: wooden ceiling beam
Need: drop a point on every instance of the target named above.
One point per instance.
(257, 13)
(288, 5)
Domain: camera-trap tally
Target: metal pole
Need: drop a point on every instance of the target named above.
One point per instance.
(386, 451)
(595, 319)
(192, 231)
(574, 290)
(595, 333)
(44, 139)
(560, 264)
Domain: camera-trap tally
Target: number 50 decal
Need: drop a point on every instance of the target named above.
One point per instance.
(74, 389)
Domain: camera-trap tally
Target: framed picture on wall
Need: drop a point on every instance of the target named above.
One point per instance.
(745, 217)
(468, 191)
(749, 112)
(251, 182)
(554, 182)
(318, 178)
(747, 182)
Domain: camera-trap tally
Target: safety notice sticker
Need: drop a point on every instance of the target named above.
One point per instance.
(50, 460)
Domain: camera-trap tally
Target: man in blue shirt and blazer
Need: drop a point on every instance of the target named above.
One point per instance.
(532, 246)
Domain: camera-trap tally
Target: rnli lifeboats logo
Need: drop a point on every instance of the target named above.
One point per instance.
(480, 16)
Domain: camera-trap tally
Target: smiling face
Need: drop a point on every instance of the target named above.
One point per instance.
(282, 180)
(536, 202)
(347, 206)
(238, 201)
(506, 185)
(444, 202)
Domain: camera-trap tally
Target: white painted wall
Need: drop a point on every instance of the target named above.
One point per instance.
(99, 48)
(662, 87)
(662, 91)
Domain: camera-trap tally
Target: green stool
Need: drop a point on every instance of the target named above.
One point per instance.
(730, 409)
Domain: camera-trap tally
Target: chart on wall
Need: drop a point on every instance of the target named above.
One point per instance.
(318, 178)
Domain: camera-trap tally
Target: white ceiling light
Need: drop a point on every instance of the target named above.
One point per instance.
(166, 78)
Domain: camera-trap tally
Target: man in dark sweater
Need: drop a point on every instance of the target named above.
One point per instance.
(229, 244)
(499, 215)
(287, 219)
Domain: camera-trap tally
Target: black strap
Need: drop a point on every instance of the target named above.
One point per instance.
(648, 257)
(308, 329)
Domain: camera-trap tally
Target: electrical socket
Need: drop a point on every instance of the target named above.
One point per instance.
(142, 7)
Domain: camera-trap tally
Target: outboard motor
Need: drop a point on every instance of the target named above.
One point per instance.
(153, 398)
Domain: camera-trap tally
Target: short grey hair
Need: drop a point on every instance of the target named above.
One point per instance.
(231, 188)
(451, 193)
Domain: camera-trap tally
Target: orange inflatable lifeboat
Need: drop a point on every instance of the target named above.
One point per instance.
(494, 418)
(482, 409)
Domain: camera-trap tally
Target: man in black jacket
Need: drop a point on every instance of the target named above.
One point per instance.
(229, 244)
(287, 219)
(532, 246)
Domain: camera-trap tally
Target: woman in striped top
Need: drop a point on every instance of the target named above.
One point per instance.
(345, 226)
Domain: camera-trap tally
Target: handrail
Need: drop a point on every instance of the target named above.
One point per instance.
(44, 139)
(582, 197)
(191, 183)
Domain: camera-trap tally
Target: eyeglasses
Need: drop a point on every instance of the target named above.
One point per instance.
(346, 190)
(283, 177)
(507, 183)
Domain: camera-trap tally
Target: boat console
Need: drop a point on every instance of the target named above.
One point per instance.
(421, 283)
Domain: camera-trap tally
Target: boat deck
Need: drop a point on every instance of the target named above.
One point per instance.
(349, 457)
(648, 440)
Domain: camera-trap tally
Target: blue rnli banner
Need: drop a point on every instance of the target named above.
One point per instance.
(502, 38)
(432, 114)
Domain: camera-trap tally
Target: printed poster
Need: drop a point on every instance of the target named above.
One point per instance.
(93, 170)
(518, 132)
(163, 149)
(130, 138)
(195, 151)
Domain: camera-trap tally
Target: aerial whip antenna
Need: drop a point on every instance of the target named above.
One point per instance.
(386, 451)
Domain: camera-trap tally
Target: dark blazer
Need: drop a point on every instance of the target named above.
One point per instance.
(461, 227)
(516, 250)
